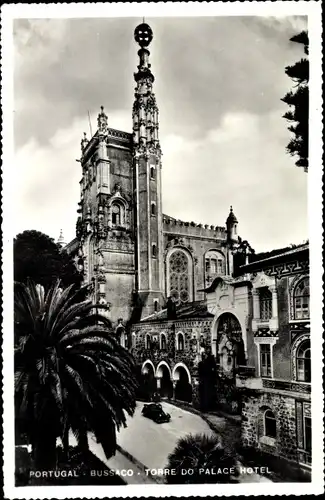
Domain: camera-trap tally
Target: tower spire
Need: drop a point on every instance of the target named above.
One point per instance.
(147, 166)
(145, 110)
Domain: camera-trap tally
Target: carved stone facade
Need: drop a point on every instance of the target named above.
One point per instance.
(276, 397)
(126, 248)
(177, 298)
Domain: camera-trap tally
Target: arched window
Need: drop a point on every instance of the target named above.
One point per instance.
(117, 214)
(180, 277)
(303, 361)
(269, 424)
(214, 265)
(265, 303)
(148, 342)
(121, 334)
(163, 343)
(154, 250)
(156, 305)
(180, 342)
(152, 172)
(153, 208)
(301, 300)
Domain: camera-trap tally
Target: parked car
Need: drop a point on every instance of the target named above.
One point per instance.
(156, 413)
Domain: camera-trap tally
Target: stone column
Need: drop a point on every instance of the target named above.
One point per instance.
(158, 385)
(256, 304)
(174, 389)
(274, 301)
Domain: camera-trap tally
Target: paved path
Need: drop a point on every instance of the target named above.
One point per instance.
(117, 463)
(151, 443)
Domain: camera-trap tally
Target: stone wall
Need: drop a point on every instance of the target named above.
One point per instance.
(197, 334)
(197, 337)
(283, 407)
(196, 246)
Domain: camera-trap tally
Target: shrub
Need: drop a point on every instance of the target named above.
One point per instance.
(200, 458)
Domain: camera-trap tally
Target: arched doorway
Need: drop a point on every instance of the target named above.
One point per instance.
(230, 345)
(163, 374)
(183, 387)
(148, 383)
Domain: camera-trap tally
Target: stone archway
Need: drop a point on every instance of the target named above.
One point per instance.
(164, 380)
(182, 379)
(148, 380)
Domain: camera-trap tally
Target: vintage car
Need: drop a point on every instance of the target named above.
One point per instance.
(156, 413)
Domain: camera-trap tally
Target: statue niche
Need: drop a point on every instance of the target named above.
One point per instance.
(231, 352)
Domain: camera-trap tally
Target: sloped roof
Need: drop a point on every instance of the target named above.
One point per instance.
(275, 255)
(191, 310)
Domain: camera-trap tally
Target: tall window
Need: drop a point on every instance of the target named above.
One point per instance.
(265, 360)
(214, 265)
(220, 266)
(269, 424)
(303, 361)
(117, 215)
(304, 432)
(154, 250)
(180, 342)
(153, 209)
(148, 342)
(265, 303)
(301, 300)
(152, 172)
(179, 276)
(163, 342)
(307, 433)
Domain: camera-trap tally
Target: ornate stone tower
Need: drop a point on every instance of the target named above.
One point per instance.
(105, 225)
(147, 180)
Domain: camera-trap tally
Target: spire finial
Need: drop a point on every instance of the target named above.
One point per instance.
(61, 241)
(84, 142)
(231, 217)
(102, 120)
(143, 34)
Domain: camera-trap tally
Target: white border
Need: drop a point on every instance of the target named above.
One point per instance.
(313, 10)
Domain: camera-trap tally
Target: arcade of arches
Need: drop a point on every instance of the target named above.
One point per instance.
(171, 384)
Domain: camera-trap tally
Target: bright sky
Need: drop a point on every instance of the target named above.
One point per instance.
(219, 82)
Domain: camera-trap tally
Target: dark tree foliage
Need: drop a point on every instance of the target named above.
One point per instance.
(70, 373)
(205, 457)
(39, 258)
(298, 102)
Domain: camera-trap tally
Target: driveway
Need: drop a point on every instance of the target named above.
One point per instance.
(151, 443)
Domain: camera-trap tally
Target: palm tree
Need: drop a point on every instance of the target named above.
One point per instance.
(70, 372)
(196, 456)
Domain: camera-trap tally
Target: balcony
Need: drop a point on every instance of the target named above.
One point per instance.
(270, 324)
(246, 378)
(287, 385)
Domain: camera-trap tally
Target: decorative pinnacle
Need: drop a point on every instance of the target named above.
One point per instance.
(232, 217)
(102, 120)
(143, 34)
(84, 141)
(61, 238)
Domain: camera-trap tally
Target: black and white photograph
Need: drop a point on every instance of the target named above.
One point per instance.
(162, 242)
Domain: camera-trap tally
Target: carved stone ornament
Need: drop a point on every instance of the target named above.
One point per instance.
(102, 120)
